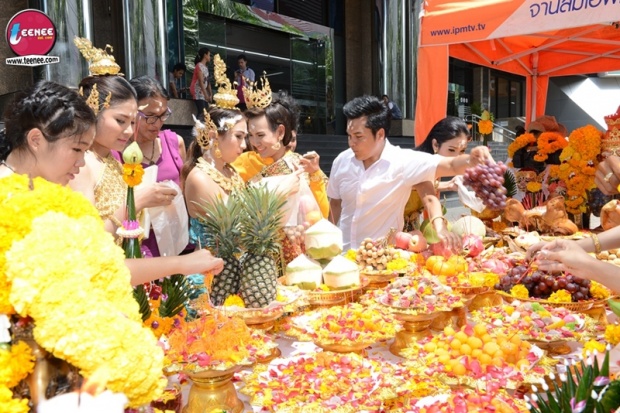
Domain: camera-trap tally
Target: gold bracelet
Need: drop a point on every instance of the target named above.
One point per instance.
(445, 221)
(597, 244)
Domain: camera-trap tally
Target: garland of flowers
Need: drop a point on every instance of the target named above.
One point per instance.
(520, 142)
(549, 142)
(579, 166)
(485, 127)
(16, 364)
(17, 210)
(96, 325)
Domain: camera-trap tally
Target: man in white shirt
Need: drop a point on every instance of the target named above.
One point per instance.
(370, 182)
(243, 76)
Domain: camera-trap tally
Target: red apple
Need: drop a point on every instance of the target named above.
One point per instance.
(417, 243)
(401, 240)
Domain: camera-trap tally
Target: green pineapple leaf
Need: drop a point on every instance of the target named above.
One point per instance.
(510, 183)
(221, 221)
(140, 295)
(261, 220)
(175, 290)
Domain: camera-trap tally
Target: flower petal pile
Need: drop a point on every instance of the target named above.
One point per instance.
(215, 342)
(345, 325)
(322, 382)
(535, 321)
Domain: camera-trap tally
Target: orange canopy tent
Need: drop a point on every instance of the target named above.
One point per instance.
(535, 39)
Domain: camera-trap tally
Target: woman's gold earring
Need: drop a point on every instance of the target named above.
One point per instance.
(276, 146)
(216, 150)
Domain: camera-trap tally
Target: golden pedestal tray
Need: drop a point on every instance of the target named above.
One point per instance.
(553, 348)
(319, 298)
(415, 327)
(357, 348)
(379, 279)
(213, 389)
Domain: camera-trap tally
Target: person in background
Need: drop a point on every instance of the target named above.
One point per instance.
(49, 128)
(394, 109)
(371, 181)
(174, 80)
(449, 138)
(163, 148)
(243, 75)
(292, 145)
(200, 88)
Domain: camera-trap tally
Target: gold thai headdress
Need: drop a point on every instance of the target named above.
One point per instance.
(255, 97)
(226, 96)
(201, 131)
(100, 62)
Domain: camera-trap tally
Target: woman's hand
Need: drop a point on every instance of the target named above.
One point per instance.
(201, 261)
(479, 155)
(310, 162)
(154, 195)
(449, 239)
(564, 255)
(607, 175)
(448, 186)
(534, 249)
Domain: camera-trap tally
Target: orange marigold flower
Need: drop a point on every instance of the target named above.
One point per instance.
(132, 174)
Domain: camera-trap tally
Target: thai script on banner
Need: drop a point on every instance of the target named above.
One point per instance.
(566, 6)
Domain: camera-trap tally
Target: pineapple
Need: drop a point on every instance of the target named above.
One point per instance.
(221, 221)
(261, 218)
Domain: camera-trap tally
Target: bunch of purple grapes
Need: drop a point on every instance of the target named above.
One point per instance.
(541, 284)
(487, 181)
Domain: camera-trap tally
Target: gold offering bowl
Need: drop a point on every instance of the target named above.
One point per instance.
(415, 327)
(358, 348)
(379, 279)
(321, 299)
(213, 389)
(275, 353)
(553, 348)
(261, 320)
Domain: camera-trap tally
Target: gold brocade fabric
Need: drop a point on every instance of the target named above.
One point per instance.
(111, 190)
(282, 166)
(227, 184)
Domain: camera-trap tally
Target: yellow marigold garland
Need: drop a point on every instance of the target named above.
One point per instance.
(78, 318)
(520, 142)
(485, 127)
(132, 174)
(19, 206)
(549, 142)
(16, 364)
(11, 405)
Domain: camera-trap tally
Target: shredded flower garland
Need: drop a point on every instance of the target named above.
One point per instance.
(16, 364)
(77, 290)
(579, 160)
(549, 142)
(522, 141)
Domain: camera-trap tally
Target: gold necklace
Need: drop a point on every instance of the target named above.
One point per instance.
(227, 184)
(151, 161)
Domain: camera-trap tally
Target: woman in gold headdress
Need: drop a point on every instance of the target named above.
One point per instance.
(114, 101)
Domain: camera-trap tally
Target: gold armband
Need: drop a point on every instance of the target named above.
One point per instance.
(445, 221)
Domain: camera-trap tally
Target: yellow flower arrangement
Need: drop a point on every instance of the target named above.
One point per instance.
(534, 186)
(485, 127)
(20, 205)
(16, 364)
(593, 345)
(520, 142)
(549, 142)
(561, 296)
(234, 299)
(612, 334)
(351, 254)
(11, 405)
(519, 291)
(578, 167)
(599, 291)
(132, 174)
(77, 290)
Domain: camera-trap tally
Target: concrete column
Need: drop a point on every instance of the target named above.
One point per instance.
(359, 56)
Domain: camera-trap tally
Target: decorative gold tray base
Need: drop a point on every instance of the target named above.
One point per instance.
(553, 348)
(415, 327)
(358, 348)
(213, 389)
(379, 279)
(275, 353)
